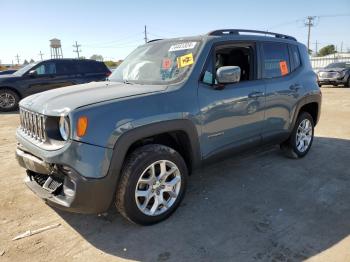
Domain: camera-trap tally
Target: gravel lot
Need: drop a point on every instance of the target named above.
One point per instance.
(259, 206)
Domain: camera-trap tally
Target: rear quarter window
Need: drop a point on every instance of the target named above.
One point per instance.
(295, 57)
(275, 60)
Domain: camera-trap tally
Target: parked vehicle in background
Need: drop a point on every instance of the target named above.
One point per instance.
(335, 74)
(46, 75)
(170, 106)
(7, 72)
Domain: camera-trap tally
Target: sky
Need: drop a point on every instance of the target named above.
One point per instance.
(114, 28)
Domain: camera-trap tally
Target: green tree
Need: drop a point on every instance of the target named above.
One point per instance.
(97, 57)
(327, 50)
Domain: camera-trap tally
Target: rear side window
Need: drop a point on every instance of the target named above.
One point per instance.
(91, 67)
(275, 60)
(66, 68)
(295, 57)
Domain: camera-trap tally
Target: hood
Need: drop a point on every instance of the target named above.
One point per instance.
(63, 100)
(3, 77)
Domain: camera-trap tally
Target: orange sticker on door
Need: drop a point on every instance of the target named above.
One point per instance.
(284, 68)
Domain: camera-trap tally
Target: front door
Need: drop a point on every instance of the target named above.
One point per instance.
(232, 116)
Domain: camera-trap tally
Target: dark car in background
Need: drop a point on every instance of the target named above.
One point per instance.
(46, 75)
(8, 72)
(335, 74)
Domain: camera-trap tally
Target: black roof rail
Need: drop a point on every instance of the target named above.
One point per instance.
(154, 40)
(221, 32)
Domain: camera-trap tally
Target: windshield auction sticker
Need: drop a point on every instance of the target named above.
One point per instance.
(182, 46)
(185, 60)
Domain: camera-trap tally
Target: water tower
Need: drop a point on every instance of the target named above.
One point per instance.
(56, 48)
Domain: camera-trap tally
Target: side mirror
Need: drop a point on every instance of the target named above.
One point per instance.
(228, 74)
(33, 73)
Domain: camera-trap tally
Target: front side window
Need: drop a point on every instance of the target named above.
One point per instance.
(46, 69)
(241, 55)
(275, 60)
(160, 62)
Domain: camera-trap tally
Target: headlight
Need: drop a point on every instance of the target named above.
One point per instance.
(341, 74)
(64, 127)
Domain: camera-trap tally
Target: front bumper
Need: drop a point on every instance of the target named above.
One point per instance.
(331, 81)
(55, 178)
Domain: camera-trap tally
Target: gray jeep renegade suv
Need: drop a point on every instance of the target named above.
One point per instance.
(170, 107)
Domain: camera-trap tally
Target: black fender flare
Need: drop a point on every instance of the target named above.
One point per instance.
(128, 138)
(311, 98)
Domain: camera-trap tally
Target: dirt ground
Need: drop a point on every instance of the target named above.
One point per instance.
(259, 206)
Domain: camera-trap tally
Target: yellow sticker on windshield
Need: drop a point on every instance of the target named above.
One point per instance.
(185, 60)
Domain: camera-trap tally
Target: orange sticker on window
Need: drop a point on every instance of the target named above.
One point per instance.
(284, 68)
(166, 64)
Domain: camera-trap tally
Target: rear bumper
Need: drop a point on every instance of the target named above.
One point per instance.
(65, 188)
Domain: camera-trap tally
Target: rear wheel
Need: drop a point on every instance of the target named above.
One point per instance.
(152, 184)
(300, 141)
(8, 100)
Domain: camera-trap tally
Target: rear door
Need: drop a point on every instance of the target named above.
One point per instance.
(283, 89)
(90, 70)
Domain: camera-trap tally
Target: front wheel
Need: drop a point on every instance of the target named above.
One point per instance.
(152, 184)
(8, 100)
(347, 82)
(300, 141)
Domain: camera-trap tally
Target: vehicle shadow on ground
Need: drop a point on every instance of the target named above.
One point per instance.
(9, 113)
(258, 206)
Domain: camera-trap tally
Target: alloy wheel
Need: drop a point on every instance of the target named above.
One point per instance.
(158, 188)
(304, 135)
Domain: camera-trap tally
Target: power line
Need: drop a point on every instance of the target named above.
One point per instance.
(77, 50)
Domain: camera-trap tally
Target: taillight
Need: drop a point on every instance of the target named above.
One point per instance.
(108, 74)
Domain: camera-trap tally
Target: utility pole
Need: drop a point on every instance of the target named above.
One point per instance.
(146, 39)
(77, 50)
(17, 57)
(341, 47)
(309, 23)
(41, 56)
(316, 47)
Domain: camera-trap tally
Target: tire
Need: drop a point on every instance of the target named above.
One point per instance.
(139, 165)
(347, 82)
(292, 147)
(8, 100)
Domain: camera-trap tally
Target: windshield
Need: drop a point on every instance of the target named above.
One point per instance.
(24, 69)
(161, 62)
(338, 65)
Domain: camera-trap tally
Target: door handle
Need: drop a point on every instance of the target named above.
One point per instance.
(295, 87)
(255, 94)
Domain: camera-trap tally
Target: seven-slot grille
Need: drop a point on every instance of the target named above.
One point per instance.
(33, 124)
(328, 74)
